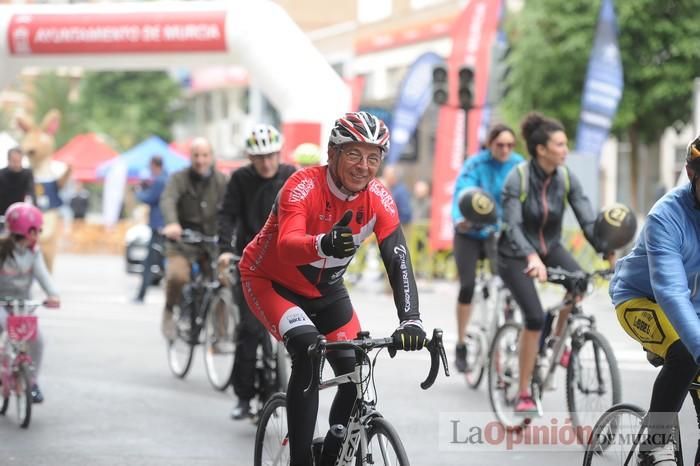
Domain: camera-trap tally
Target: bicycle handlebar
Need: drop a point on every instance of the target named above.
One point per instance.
(366, 344)
(577, 280)
(12, 304)
(190, 236)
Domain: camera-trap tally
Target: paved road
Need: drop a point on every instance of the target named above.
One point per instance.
(111, 400)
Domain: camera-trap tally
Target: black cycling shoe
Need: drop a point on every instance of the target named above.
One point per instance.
(461, 357)
(241, 410)
(37, 396)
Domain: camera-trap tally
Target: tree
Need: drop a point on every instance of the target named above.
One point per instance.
(551, 43)
(129, 106)
(51, 91)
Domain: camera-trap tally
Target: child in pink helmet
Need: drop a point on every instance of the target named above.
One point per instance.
(21, 262)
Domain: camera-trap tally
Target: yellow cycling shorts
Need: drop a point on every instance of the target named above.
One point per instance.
(647, 323)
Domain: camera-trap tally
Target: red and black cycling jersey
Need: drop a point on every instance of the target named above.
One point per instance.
(287, 249)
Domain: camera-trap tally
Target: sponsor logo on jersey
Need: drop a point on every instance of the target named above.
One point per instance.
(301, 190)
(403, 266)
(387, 201)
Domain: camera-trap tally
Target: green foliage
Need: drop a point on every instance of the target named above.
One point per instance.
(129, 106)
(551, 42)
(52, 91)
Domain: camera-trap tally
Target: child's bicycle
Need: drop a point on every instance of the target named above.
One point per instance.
(616, 436)
(592, 375)
(16, 367)
(206, 314)
(369, 439)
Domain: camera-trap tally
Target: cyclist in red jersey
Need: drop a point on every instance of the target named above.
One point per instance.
(292, 271)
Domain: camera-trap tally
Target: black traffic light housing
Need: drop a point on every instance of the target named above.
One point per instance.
(440, 89)
(465, 89)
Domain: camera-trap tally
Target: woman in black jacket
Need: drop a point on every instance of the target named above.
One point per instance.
(534, 197)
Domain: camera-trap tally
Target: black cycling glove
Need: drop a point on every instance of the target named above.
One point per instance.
(410, 336)
(339, 242)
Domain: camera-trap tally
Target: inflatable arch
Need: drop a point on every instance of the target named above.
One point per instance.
(258, 35)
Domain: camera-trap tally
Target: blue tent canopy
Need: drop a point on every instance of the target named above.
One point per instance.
(138, 159)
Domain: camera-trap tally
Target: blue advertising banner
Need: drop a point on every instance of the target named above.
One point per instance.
(413, 98)
(603, 86)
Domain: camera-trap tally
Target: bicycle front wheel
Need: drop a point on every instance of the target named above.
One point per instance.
(181, 349)
(504, 375)
(476, 356)
(219, 339)
(23, 396)
(592, 381)
(612, 440)
(271, 439)
(384, 446)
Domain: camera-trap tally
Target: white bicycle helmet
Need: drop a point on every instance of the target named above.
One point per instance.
(360, 127)
(263, 139)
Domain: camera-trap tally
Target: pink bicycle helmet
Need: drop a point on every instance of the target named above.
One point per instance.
(21, 218)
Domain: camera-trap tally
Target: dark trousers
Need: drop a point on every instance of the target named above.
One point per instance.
(250, 333)
(155, 254)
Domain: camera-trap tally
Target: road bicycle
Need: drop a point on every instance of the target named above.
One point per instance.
(493, 306)
(616, 437)
(369, 438)
(206, 314)
(592, 374)
(16, 366)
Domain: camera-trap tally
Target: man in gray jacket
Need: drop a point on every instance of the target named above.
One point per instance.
(190, 201)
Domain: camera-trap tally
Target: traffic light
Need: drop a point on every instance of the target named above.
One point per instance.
(440, 88)
(465, 90)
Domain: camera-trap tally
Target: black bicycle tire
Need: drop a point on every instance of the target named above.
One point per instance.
(474, 377)
(491, 360)
(602, 342)
(227, 379)
(276, 401)
(592, 447)
(181, 374)
(380, 426)
(27, 380)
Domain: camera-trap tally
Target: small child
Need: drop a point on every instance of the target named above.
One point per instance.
(21, 262)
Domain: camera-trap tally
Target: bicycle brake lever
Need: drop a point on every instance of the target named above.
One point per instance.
(436, 350)
(314, 353)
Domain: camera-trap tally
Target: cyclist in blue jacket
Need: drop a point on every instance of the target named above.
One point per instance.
(487, 170)
(655, 292)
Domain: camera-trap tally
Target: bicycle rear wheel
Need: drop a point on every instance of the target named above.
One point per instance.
(476, 357)
(504, 375)
(611, 439)
(384, 446)
(271, 440)
(219, 339)
(181, 349)
(592, 381)
(23, 396)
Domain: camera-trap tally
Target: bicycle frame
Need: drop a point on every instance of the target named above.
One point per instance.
(364, 410)
(577, 323)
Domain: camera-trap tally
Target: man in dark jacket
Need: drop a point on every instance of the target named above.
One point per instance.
(190, 201)
(247, 203)
(16, 183)
(150, 196)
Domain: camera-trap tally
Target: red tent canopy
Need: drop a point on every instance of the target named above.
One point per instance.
(84, 153)
(223, 165)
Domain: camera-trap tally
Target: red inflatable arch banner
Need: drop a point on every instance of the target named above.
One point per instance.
(258, 35)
